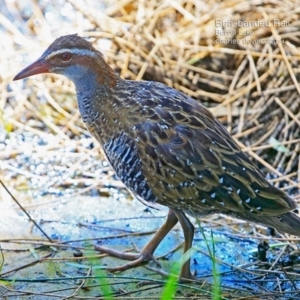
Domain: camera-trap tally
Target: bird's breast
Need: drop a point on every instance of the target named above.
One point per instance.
(123, 155)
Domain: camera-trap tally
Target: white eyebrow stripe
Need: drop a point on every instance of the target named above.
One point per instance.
(77, 51)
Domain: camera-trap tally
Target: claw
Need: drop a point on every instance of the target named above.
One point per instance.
(136, 258)
(146, 254)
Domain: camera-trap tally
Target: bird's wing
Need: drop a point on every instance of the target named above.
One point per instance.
(191, 161)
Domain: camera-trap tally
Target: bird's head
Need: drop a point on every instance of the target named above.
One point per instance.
(73, 57)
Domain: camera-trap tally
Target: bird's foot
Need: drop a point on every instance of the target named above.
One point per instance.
(136, 258)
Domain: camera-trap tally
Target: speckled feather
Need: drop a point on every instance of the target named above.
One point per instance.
(166, 147)
(185, 156)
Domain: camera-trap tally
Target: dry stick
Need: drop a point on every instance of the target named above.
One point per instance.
(263, 237)
(278, 179)
(247, 132)
(263, 162)
(98, 18)
(262, 147)
(275, 90)
(288, 126)
(114, 8)
(196, 69)
(66, 198)
(146, 64)
(284, 56)
(287, 111)
(11, 28)
(26, 127)
(295, 153)
(51, 101)
(27, 174)
(87, 257)
(26, 213)
(237, 75)
(241, 92)
(264, 271)
(46, 120)
(231, 51)
(270, 129)
(289, 278)
(244, 78)
(200, 93)
(89, 272)
(299, 169)
(46, 244)
(278, 284)
(254, 297)
(219, 111)
(125, 64)
(70, 123)
(31, 293)
(182, 11)
(25, 266)
(197, 79)
(254, 71)
(278, 257)
(245, 100)
(288, 187)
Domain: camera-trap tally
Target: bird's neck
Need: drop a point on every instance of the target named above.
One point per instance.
(91, 72)
(92, 96)
(99, 105)
(95, 80)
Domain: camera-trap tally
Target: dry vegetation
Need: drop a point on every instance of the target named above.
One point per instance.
(249, 80)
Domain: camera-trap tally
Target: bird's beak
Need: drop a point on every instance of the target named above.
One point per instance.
(38, 67)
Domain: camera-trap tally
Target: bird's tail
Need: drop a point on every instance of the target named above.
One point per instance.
(286, 223)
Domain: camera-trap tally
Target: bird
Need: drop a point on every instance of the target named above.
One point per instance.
(166, 147)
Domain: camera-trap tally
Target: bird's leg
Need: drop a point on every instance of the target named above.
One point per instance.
(146, 253)
(188, 231)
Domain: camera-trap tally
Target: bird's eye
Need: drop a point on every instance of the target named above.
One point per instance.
(66, 56)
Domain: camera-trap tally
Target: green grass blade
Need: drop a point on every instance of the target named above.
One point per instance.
(103, 280)
(170, 287)
(210, 245)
